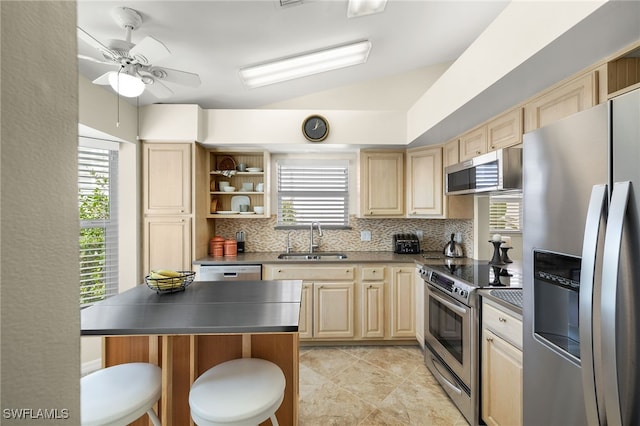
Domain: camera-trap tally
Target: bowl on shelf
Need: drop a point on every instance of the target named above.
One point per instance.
(229, 188)
(254, 169)
(222, 185)
(258, 209)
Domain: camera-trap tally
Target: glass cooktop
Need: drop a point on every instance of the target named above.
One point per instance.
(482, 274)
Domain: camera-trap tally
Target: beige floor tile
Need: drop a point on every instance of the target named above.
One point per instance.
(371, 386)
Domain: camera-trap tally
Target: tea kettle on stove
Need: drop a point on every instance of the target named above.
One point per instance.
(452, 248)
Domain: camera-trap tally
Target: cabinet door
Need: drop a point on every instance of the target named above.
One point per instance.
(451, 154)
(305, 324)
(505, 130)
(501, 381)
(167, 243)
(574, 96)
(473, 143)
(372, 309)
(424, 182)
(418, 283)
(166, 176)
(333, 310)
(402, 295)
(382, 184)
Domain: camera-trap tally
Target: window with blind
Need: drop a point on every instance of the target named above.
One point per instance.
(97, 202)
(313, 191)
(505, 212)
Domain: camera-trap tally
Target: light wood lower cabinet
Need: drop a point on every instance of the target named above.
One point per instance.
(402, 302)
(333, 310)
(501, 371)
(167, 243)
(418, 284)
(353, 301)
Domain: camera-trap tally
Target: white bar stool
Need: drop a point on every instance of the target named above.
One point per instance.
(120, 394)
(240, 392)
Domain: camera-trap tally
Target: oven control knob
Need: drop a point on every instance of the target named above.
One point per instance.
(463, 293)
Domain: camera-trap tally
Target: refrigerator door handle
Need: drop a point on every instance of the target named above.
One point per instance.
(610, 268)
(588, 285)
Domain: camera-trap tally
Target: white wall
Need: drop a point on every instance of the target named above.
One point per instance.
(40, 351)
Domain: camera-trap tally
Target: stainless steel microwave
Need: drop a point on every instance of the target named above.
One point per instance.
(499, 170)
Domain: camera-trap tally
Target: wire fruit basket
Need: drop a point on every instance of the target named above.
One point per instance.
(169, 284)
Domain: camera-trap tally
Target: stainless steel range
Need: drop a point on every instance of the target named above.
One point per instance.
(452, 326)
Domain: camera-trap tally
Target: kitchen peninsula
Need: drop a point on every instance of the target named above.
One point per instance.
(188, 332)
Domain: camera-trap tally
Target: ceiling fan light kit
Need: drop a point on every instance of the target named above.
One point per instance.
(306, 64)
(125, 84)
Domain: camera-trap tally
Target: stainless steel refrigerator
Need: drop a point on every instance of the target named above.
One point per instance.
(581, 267)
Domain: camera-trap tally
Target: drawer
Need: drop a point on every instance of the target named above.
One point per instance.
(312, 273)
(372, 273)
(504, 324)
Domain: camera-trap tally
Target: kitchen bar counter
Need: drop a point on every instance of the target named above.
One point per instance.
(188, 332)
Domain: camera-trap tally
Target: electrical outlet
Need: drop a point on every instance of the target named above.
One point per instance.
(365, 235)
(420, 234)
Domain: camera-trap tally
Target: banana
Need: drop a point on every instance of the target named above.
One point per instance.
(168, 273)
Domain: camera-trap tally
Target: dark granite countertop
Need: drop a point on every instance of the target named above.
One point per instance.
(352, 257)
(203, 307)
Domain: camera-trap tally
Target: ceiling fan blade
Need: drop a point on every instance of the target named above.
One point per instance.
(176, 76)
(159, 90)
(98, 61)
(87, 38)
(149, 50)
(103, 79)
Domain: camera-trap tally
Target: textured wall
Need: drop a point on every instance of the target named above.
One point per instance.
(260, 234)
(40, 316)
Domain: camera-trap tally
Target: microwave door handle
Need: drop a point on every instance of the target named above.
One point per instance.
(595, 213)
(610, 269)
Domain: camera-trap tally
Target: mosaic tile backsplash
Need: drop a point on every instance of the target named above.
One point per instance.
(260, 235)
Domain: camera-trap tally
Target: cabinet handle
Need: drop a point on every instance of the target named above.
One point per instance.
(370, 286)
(502, 319)
(477, 152)
(489, 339)
(279, 271)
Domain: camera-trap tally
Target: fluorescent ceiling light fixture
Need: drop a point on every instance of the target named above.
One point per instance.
(306, 64)
(126, 84)
(365, 7)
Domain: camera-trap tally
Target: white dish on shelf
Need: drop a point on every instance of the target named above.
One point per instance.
(226, 212)
(254, 169)
(237, 200)
(247, 212)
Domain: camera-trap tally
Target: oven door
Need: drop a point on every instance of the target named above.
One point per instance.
(447, 330)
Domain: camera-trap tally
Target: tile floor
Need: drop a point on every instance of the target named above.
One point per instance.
(371, 385)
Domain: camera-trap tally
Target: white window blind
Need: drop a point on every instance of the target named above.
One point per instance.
(313, 191)
(505, 212)
(97, 202)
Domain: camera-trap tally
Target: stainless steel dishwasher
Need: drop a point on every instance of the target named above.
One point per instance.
(230, 272)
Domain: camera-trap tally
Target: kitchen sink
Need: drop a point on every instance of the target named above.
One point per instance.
(312, 256)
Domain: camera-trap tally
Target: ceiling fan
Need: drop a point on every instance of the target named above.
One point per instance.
(137, 71)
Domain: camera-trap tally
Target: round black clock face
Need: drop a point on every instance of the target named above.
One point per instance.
(315, 128)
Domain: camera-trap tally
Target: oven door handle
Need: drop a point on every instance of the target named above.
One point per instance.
(443, 377)
(447, 303)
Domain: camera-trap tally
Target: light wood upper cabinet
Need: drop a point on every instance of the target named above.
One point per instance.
(166, 176)
(382, 183)
(574, 96)
(501, 368)
(451, 153)
(402, 302)
(424, 182)
(473, 143)
(505, 130)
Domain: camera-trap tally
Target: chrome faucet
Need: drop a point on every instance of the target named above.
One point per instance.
(311, 244)
(288, 248)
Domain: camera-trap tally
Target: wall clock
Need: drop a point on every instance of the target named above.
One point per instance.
(315, 128)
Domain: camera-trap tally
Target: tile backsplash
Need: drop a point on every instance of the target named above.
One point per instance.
(260, 235)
